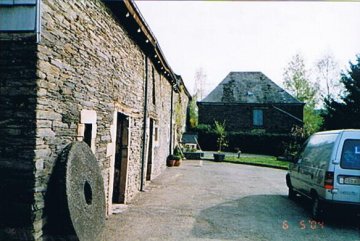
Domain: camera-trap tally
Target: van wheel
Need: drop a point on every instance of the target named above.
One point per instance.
(291, 194)
(316, 208)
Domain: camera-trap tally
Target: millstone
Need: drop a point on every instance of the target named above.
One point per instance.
(84, 189)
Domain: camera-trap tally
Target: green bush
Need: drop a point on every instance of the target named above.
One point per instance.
(173, 157)
(203, 128)
(260, 143)
(178, 153)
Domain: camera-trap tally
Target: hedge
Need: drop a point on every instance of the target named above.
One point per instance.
(259, 143)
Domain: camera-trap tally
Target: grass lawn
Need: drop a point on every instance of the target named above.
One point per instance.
(268, 161)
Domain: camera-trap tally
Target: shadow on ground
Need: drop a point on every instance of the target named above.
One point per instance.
(269, 217)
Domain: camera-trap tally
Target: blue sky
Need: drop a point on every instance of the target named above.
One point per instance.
(224, 36)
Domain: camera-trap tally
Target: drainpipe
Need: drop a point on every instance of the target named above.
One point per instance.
(145, 126)
(171, 121)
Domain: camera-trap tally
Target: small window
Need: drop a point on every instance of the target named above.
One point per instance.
(350, 156)
(19, 15)
(17, 2)
(258, 118)
(156, 134)
(87, 128)
(88, 134)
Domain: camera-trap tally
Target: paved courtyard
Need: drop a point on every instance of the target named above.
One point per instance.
(222, 201)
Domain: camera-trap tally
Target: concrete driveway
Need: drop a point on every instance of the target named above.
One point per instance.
(222, 201)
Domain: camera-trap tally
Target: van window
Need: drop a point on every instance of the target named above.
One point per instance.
(318, 150)
(350, 156)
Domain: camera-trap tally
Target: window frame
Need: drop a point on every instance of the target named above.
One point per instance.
(254, 120)
(13, 4)
(343, 153)
(88, 117)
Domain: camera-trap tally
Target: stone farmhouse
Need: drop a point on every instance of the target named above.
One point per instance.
(89, 71)
(251, 102)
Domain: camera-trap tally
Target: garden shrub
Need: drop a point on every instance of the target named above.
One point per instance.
(259, 143)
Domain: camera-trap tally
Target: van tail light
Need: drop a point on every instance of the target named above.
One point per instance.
(329, 180)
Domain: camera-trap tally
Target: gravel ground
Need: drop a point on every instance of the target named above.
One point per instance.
(204, 200)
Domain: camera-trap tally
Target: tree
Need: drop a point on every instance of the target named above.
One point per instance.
(345, 113)
(313, 120)
(221, 135)
(180, 117)
(297, 82)
(193, 113)
(327, 72)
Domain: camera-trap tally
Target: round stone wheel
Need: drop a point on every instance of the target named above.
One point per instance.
(85, 194)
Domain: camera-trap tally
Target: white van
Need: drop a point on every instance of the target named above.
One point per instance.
(327, 170)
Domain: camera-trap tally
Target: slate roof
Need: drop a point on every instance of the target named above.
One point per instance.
(249, 87)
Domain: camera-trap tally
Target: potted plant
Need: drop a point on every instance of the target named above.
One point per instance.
(178, 155)
(221, 140)
(177, 161)
(171, 159)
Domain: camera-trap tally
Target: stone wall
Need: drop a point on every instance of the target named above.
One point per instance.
(161, 147)
(181, 101)
(85, 69)
(17, 137)
(239, 117)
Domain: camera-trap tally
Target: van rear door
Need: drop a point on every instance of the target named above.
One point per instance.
(347, 169)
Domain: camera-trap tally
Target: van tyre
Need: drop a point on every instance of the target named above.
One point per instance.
(291, 194)
(316, 208)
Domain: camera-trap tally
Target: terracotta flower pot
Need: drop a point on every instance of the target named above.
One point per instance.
(170, 163)
(177, 163)
(171, 160)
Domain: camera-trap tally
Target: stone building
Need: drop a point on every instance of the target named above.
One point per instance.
(87, 71)
(251, 102)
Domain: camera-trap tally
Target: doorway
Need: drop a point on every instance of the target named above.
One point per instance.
(150, 151)
(121, 158)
